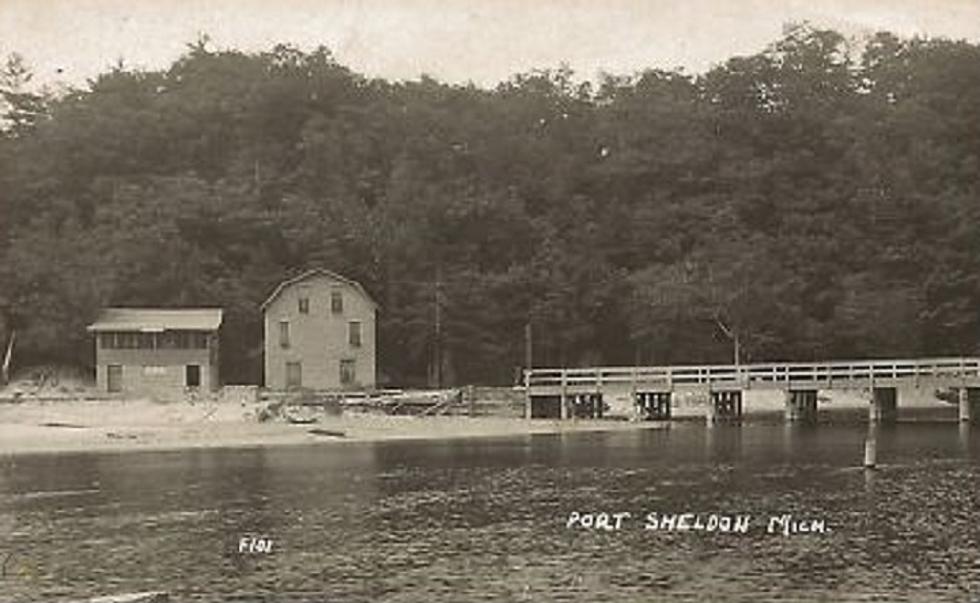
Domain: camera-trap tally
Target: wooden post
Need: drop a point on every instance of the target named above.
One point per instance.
(883, 405)
(801, 405)
(528, 350)
(527, 394)
(870, 451)
(966, 406)
(633, 396)
(528, 358)
(563, 411)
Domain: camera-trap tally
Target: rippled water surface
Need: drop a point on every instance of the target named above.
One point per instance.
(485, 519)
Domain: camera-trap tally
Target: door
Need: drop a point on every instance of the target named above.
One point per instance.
(348, 372)
(294, 375)
(192, 377)
(114, 377)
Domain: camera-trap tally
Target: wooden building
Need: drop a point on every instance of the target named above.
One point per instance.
(162, 353)
(320, 334)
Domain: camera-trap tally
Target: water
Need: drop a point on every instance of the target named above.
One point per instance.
(485, 519)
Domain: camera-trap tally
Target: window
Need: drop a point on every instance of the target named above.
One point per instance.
(199, 340)
(336, 302)
(304, 305)
(354, 333)
(180, 340)
(127, 341)
(284, 333)
(167, 340)
(348, 374)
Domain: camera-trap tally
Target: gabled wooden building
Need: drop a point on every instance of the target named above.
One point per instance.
(320, 334)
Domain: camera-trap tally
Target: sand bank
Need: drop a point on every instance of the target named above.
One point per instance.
(107, 425)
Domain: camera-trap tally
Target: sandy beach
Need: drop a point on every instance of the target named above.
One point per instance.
(107, 425)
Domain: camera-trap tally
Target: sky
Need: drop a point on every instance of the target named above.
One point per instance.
(458, 41)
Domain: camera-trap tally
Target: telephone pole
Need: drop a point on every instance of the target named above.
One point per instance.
(528, 347)
(437, 351)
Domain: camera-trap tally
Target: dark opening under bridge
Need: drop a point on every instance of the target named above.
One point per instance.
(647, 392)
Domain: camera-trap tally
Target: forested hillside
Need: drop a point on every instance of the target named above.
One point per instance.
(810, 201)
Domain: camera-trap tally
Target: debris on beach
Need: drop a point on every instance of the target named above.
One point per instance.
(144, 597)
(328, 432)
(113, 435)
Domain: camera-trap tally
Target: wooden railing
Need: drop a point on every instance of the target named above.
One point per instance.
(827, 373)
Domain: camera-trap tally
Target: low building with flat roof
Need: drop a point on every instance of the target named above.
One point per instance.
(162, 353)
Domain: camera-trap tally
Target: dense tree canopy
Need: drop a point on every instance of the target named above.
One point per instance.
(812, 201)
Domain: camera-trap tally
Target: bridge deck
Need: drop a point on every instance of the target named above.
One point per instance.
(813, 375)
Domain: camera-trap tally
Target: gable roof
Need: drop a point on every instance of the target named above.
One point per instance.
(310, 274)
(158, 319)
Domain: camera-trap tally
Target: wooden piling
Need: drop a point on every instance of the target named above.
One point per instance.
(801, 405)
(966, 406)
(870, 452)
(883, 405)
(563, 410)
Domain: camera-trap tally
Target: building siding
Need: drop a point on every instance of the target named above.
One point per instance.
(319, 339)
(166, 379)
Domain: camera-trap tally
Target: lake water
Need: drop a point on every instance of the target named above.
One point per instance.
(485, 519)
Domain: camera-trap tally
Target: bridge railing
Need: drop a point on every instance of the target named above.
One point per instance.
(762, 373)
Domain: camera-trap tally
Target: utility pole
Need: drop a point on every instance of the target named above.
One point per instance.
(528, 347)
(437, 351)
(733, 335)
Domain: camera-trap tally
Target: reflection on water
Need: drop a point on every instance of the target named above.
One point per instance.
(484, 520)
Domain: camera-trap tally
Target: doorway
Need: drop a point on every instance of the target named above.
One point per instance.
(113, 378)
(294, 375)
(192, 375)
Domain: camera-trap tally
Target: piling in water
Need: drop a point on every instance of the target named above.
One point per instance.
(870, 453)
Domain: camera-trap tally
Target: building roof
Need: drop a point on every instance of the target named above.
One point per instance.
(310, 274)
(158, 319)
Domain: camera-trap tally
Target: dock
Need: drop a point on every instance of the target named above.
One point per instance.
(648, 392)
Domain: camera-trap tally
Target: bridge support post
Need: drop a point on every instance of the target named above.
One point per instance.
(653, 406)
(883, 406)
(801, 405)
(725, 405)
(528, 399)
(968, 404)
(563, 408)
(586, 406)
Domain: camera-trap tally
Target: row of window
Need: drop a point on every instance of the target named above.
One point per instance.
(294, 373)
(167, 340)
(336, 303)
(353, 333)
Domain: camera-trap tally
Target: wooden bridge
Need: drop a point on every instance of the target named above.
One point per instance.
(566, 392)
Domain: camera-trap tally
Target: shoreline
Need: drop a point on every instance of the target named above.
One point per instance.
(71, 426)
(133, 426)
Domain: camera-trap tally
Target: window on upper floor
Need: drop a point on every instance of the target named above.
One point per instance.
(336, 302)
(304, 305)
(284, 333)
